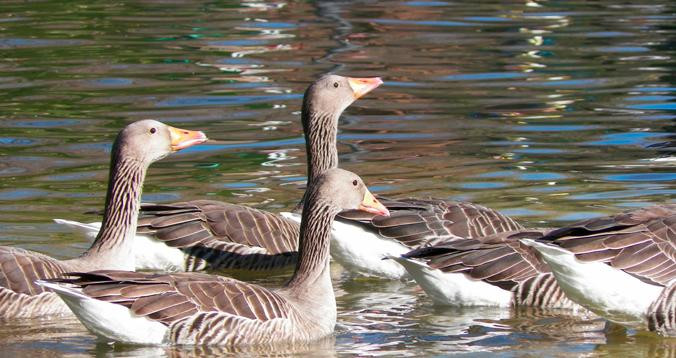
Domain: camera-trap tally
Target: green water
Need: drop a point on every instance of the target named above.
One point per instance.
(544, 110)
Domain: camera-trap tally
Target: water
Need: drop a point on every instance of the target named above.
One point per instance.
(547, 111)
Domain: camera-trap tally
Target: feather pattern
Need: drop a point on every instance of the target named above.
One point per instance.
(639, 242)
(415, 222)
(113, 246)
(198, 308)
(503, 261)
(19, 269)
(662, 313)
(218, 235)
(612, 253)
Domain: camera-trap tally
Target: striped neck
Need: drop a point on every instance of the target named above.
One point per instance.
(114, 242)
(321, 130)
(314, 243)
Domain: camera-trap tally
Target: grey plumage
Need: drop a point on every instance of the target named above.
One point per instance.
(415, 222)
(641, 243)
(501, 260)
(20, 296)
(205, 309)
(218, 235)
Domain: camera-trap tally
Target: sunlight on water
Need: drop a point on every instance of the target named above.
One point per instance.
(548, 111)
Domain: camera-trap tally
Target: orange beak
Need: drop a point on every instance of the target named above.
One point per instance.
(183, 138)
(362, 86)
(371, 205)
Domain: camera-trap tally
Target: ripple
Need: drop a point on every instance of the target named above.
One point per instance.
(622, 49)
(484, 76)
(8, 43)
(628, 138)
(482, 185)
(23, 194)
(655, 89)
(641, 177)
(622, 194)
(655, 106)
(421, 22)
(198, 101)
(426, 3)
(47, 123)
(16, 142)
(553, 128)
(651, 98)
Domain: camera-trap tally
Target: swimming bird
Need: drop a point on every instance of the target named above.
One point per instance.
(196, 308)
(495, 270)
(201, 234)
(362, 240)
(136, 147)
(621, 267)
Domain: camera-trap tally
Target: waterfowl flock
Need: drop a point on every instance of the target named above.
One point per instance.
(621, 267)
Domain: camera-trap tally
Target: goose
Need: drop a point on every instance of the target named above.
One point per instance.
(362, 240)
(137, 146)
(208, 234)
(198, 308)
(621, 267)
(496, 270)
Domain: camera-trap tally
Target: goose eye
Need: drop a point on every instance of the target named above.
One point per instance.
(354, 182)
(153, 130)
(335, 84)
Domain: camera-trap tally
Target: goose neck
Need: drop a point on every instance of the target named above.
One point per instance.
(320, 130)
(114, 241)
(313, 248)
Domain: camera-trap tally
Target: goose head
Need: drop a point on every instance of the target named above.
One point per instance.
(150, 140)
(347, 191)
(333, 93)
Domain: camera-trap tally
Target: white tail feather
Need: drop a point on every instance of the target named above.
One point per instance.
(599, 287)
(109, 321)
(454, 289)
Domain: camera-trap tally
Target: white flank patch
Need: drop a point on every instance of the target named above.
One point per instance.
(150, 254)
(606, 291)
(108, 320)
(361, 251)
(454, 289)
(89, 230)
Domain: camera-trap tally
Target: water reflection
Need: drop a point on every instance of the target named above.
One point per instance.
(548, 111)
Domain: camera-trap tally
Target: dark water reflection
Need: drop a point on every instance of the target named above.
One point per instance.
(550, 111)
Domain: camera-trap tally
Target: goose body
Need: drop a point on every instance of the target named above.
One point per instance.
(149, 254)
(361, 241)
(218, 235)
(620, 267)
(496, 270)
(196, 308)
(136, 147)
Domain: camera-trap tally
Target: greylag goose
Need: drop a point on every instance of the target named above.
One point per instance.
(621, 267)
(135, 148)
(204, 234)
(196, 308)
(207, 234)
(362, 240)
(496, 270)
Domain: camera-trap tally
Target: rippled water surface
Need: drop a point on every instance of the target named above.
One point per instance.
(550, 111)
